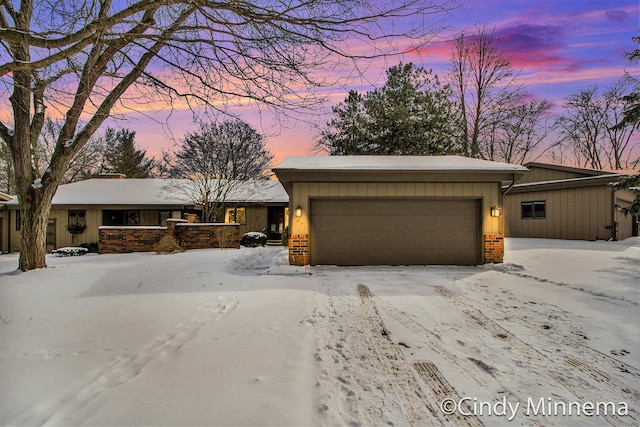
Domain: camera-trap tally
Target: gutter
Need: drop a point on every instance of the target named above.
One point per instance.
(513, 182)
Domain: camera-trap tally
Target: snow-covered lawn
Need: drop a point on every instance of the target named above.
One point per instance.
(237, 337)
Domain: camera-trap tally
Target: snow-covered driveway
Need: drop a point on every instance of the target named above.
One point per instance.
(235, 337)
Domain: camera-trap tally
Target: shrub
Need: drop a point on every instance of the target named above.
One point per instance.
(224, 235)
(69, 251)
(253, 239)
(92, 247)
(167, 245)
(285, 237)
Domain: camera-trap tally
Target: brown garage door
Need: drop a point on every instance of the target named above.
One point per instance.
(394, 232)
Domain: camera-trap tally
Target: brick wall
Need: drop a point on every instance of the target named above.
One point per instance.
(117, 240)
(298, 249)
(204, 236)
(493, 248)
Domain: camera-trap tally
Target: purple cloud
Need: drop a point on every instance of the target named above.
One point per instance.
(618, 16)
(539, 46)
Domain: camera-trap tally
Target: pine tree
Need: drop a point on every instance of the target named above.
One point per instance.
(122, 156)
(412, 114)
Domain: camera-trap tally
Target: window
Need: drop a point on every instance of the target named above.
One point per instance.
(120, 217)
(163, 216)
(77, 217)
(533, 210)
(235, 215)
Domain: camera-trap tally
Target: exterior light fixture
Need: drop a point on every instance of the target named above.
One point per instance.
(495, 211)
(298, 211)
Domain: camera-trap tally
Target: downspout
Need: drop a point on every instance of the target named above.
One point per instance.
(513, 181)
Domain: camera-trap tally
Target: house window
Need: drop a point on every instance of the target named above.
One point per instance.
(77, 217)
(120, 218)
(533, 210)
(165, 215)
(18, 219)
(235, 215)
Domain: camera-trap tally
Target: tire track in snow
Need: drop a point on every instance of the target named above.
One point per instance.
(77, 403)
(406, 389)
(441, 390)
(577, 381)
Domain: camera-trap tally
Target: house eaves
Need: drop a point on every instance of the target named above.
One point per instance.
(571, 169)
(562, 184)
(392, 169)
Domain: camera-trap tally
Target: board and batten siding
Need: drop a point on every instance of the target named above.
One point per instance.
(573, 214)
(538, 174)
(488, 193)
(93, 220)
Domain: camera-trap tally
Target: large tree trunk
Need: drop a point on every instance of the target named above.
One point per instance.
(36, 205)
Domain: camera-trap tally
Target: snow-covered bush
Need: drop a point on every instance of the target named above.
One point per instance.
(253, 239)
(69, 251)
(92, 247)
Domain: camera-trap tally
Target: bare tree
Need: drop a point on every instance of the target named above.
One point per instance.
(77, 59)
(518, 130)
(85, 164)
(217, 161)
(483, 79)
(588, 128)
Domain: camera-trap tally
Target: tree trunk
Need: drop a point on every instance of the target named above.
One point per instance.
(35, 217)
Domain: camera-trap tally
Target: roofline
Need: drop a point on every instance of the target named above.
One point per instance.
(563, 168)
(590, 181)
(287, 176)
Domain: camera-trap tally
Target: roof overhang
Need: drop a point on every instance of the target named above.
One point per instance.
(562, 184)
(394, 169)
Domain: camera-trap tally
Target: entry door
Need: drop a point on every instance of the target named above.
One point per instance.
(51, 235)
(276, 222)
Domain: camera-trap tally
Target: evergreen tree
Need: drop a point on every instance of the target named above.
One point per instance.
(122, 156)
(412, 114)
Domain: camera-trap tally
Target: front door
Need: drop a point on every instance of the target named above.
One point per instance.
(51, 235)
(276, 222)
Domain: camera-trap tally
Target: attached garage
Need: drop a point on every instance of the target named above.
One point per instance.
(392, 231)
(391, 210)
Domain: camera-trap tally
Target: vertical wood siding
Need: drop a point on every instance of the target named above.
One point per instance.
(574, 214)
(489, 194)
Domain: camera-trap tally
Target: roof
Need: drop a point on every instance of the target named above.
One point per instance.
(5, 197)
(589, 181)
(574, 169)
(389, 169)
(396, 163)
(154, 192)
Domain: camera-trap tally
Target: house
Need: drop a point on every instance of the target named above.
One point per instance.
(562, 202)
(395, 210)
(4, 218)
(79, 208)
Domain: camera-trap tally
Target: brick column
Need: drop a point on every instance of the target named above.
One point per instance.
(171, 225)
(493, 248)
(298, 249)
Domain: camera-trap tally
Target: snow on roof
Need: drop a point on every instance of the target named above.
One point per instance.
(157, 192)
(403, 163)
(596, 178)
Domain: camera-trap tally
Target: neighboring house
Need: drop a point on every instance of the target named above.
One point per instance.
(561, 202)
(4, 218)
(395, 210)
(79, 208)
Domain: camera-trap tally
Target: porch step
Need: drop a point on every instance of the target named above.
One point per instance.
(274, 242)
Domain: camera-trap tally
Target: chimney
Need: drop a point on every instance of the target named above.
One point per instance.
(111, 176)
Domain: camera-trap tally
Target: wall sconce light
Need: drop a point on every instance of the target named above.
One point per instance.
(298, 211)
(496, 211)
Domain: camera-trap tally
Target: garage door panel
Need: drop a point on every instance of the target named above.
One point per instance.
(394, 231)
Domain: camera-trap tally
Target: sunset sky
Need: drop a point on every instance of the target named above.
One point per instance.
(559, 46)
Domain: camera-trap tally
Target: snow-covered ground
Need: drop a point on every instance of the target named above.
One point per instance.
(237, 337)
